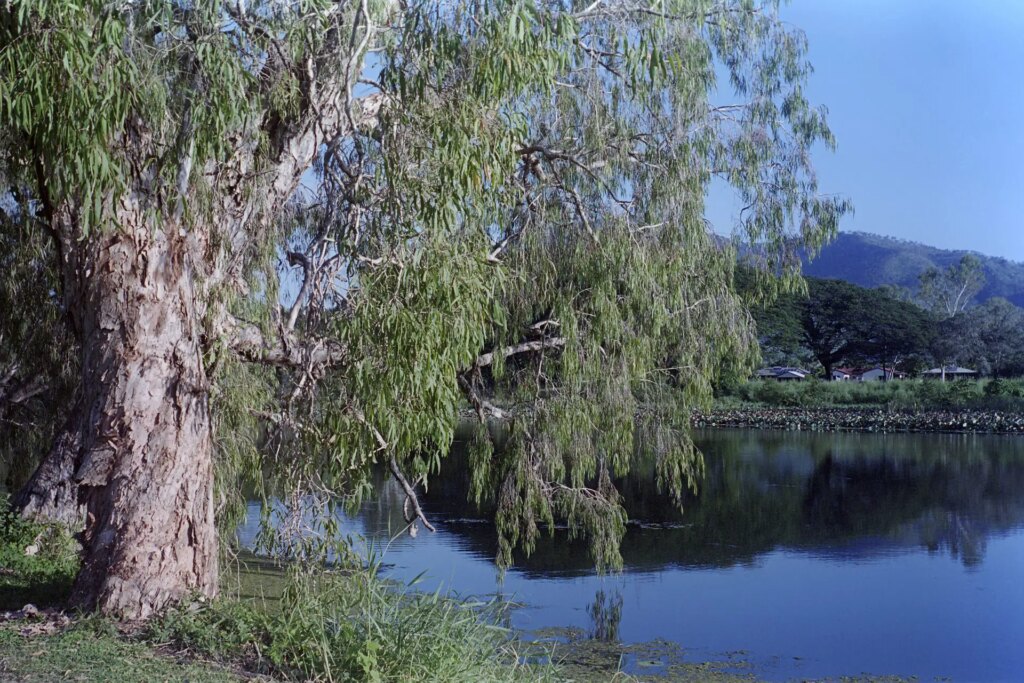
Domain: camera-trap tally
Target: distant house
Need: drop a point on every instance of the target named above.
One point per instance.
(880, 374)
(870, 374)
(949, 372)
(782, 374)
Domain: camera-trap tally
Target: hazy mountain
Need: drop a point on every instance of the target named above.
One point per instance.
(872, 260)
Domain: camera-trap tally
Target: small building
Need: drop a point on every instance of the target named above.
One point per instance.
(880, 374)
(868, 374)
(949, 372)
(782, 374)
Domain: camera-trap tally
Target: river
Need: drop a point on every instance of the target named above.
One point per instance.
(802, 556)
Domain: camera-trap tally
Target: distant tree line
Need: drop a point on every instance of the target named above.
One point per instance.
(835, 323)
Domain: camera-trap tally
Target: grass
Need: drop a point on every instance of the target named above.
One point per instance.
(83, 653)
(37, 562)
(349, 626)
(996, 394)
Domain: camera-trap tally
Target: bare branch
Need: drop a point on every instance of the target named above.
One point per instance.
(297, 258)
(410, 495)
(249, 343)
(482, 407)
(486, 359)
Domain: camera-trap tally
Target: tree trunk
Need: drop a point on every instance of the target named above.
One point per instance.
(51, 494)
(138, 449)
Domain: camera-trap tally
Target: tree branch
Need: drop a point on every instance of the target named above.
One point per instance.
(486, 359)
(249, 343)
(297, 258)
(410, 495)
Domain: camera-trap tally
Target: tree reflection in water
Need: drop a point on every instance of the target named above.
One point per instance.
(841, 495)
(606, 615)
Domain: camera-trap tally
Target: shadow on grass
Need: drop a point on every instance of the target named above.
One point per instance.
(17, 592)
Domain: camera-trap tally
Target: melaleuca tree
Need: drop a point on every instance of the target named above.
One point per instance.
(950, 291)
(293, 239)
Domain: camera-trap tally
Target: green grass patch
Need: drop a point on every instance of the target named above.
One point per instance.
(294, 624)
(37, 561)
(84, 653)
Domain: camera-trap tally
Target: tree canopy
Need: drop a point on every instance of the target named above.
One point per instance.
(299, 237)
(838, 322)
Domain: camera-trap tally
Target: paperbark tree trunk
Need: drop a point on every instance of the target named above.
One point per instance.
(134, 463)
(136, 457)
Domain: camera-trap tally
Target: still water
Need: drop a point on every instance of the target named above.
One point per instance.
(811, 555)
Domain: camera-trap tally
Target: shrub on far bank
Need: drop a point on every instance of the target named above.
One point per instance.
(996, 394)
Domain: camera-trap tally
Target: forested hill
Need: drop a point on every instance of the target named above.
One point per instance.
(873, 260)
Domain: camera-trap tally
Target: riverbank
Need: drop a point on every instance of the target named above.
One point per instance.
(273, 625)
(270, 623)
(47, 651)
(872, 419)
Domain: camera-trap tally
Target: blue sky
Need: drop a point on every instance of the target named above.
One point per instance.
(926, 98)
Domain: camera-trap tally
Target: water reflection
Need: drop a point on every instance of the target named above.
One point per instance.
(823, 555)
(846, 496)
(606, 615)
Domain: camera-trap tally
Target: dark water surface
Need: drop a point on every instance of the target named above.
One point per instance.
(812, 554)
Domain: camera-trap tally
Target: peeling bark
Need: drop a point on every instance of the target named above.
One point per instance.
(134, 463)
(135, 459)
(145, 468)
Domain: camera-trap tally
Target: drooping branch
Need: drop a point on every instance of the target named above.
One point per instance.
(466, 379)
(410, 495)
(411, 499)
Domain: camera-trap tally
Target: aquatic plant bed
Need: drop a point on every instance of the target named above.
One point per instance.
(864, 420)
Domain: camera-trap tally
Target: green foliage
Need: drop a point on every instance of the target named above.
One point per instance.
(988, 338)
(353, 627)
(119, 76)
(153, 89)
(37, 561)
(532, 190)
(836, 322)
(539, 179)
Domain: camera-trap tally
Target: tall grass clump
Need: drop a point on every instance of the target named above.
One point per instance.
(354, 626)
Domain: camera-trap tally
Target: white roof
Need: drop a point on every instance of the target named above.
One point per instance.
(780, 371)
(951, 370)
